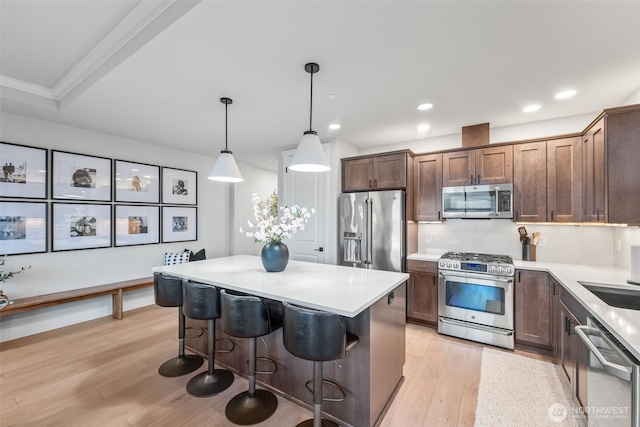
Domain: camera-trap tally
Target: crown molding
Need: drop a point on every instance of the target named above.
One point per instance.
(30, 88)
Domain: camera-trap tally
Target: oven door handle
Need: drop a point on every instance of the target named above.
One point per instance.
(619, 371)
(478, 276)
(476, 326)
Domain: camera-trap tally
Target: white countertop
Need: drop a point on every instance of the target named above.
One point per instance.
(622, 323)
(343, 290)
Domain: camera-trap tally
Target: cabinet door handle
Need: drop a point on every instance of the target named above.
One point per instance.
(517, 215)
(439, 216)
(375, 183)
(471, 179)
(478, 181)
(551, 215)
(519, 277)
(370, 184)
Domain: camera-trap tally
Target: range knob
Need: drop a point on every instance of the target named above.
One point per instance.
(509, 270)
(449, 265)
(456, 265)
(500, 270)
(442, 264)
(492, 268)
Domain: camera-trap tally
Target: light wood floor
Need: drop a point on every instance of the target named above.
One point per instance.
(104, 373)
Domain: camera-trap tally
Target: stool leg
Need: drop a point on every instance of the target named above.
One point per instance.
(182, 364)
(317, 420)
(252, 406)
(213, 381)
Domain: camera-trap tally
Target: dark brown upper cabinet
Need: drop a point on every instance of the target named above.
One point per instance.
(594, 174)
(378, 172)
(491, 165)
(530, 182)
(564, 180)
(427, 170)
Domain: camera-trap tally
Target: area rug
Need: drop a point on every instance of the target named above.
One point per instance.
(519, 391)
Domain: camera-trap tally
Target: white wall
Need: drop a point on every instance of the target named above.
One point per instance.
(58, 271)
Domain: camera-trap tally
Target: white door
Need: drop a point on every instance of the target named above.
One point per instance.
(306, 190)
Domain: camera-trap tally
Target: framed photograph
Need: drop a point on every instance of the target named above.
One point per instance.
(179, 187)
(81, 226)
(23, 228)
(24, 171)
(80, 177)
(179, 224)
(137, 225)
(137, 182)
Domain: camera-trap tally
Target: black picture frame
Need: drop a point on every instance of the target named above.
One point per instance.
(81, 226)
(179, 186)
(136, 225)
(179, 224)
(23, 227)
(80, 177)
(136, 182)
(24, 171)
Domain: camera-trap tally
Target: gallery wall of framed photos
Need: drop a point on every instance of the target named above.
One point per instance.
(54, 201)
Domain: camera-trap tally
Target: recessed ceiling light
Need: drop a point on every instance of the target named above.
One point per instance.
(531, 108)
(334, 126)
(565, 94)
(423, 127)
(333, 96)
(423, 107)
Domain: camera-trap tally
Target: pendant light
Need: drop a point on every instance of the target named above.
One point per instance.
(309, 156)
(225, 169)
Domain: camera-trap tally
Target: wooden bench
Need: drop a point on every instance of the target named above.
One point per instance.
(116, 290)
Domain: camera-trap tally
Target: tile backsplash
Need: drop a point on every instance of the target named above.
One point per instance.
(570, 244)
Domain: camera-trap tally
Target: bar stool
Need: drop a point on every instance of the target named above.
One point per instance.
(202, 302)
(318, 336)
(247, 316)
(167, 291)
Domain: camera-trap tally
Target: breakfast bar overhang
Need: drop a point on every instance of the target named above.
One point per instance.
(372, 303)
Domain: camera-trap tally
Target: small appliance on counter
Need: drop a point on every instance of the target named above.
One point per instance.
(476, 297)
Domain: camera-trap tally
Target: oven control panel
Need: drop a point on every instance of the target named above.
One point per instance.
(496, 269)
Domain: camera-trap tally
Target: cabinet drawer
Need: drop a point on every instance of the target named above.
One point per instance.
(422, 266)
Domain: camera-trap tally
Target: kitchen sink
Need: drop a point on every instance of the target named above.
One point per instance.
(621, 296)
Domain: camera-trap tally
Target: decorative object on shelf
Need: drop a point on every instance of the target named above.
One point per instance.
(4, 275)
(272, 229)
(23, 227)
(137, 182)
(179, 187)
(24, 171)
(309, 156)
(81, 177)
(225, 169)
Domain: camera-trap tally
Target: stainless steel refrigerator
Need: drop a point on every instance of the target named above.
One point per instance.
(371, 230)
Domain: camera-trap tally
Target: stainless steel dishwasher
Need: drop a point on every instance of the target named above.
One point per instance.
(613, 379)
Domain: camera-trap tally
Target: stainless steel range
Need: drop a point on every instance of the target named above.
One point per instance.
(475, 297)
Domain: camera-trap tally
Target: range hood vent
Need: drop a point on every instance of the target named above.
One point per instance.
(475, 136)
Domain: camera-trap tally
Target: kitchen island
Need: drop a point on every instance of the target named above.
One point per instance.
(371, 302)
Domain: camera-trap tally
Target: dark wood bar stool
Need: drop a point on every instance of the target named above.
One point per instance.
(247, 316)
(167, 291)
(318, 336)
(202, 302)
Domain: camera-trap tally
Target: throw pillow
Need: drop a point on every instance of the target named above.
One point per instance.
(198, 256)
(179, 258)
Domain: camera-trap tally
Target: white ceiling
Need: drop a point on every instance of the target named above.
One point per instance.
(154, 70)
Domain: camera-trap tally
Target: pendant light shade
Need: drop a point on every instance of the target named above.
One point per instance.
(226, 168)
(309, 156)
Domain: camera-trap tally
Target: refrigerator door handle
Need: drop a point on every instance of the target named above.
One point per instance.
(370, 230)
(365, 235)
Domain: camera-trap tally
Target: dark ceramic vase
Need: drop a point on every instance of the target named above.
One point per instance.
(275, 256)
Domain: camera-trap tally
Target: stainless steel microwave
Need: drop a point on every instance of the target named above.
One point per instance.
(478, 201)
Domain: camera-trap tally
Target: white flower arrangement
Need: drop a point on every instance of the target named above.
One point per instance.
(271, 229)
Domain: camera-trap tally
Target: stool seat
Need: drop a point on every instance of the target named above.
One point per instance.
(167, 291)
(247, 316)
(318, 336)
(202, 302)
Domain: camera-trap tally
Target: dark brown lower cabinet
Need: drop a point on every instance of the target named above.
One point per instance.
(422, 292)
(533, 304)
(572, 354)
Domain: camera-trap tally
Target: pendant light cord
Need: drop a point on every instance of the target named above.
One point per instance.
(311, 103)
(226, 125)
